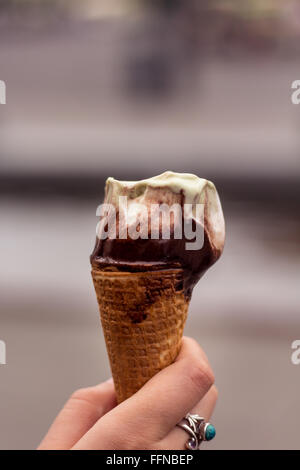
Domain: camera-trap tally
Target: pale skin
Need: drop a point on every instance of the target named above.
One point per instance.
(92, 420)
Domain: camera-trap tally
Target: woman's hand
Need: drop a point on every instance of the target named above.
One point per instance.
(91, 418)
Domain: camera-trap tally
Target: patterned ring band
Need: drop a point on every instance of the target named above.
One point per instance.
(197, 429)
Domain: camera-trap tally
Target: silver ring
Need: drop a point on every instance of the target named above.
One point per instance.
(198, 430)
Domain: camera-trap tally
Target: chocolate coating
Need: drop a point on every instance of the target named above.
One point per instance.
(144, 255)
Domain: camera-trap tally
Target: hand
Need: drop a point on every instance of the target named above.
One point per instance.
(91, 419)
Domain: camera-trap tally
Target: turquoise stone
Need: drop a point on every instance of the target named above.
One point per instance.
(210, 432)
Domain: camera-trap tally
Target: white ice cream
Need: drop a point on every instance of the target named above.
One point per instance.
(170, 188)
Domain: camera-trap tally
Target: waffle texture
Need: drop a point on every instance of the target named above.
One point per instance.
(143, 316)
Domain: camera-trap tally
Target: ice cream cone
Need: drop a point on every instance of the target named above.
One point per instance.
(143, 316)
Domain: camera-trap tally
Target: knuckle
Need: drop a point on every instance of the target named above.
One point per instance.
(83, 397)
(80, 394)
(202, 375)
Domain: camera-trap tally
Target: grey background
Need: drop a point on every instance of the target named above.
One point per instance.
(129, 92)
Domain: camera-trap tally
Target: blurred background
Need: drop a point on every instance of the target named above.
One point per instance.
(129, 89)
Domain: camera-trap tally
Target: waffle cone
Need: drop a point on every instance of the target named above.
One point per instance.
(143, 316)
